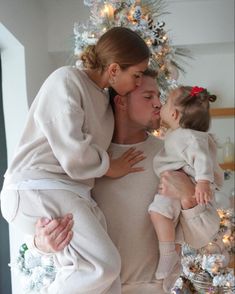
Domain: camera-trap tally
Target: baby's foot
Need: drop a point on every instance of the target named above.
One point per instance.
(166, 265)
(170, 280)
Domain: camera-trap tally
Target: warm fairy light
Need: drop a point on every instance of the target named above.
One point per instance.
(130, 15)
(160, 133)
(215, 269)
(156, 133)
(207, 261)
(149, 42)
(220, 212)
(143, 17)
(108, 10)
(226, 240)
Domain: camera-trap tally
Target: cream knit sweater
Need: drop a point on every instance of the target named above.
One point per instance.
(68, 131)
(194, 151)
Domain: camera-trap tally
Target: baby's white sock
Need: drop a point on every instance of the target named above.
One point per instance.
(168, 259)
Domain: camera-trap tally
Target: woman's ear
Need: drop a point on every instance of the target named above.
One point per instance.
(113, 69)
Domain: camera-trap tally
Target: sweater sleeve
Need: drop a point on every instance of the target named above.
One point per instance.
(60, 116)
(198, 153)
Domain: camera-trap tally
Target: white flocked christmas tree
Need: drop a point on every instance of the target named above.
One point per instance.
(208, 270)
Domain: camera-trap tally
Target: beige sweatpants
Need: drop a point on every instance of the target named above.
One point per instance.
(90, 263)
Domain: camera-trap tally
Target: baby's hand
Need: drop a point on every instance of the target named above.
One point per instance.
(124, 164)
(203, 192)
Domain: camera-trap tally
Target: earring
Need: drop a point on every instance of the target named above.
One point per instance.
(112, 81)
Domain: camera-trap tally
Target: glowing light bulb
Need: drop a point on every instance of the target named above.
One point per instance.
(156, 133)
(130, 15)
(226, 241)
(108, 10)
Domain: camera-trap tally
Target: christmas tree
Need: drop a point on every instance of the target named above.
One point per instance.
(145, 18)
(205, 270)
(210, 269)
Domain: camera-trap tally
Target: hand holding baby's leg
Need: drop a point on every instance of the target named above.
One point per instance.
(53, 235)
(178, 185)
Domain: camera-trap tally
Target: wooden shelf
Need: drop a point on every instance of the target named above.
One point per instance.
(219, 113)
(228, 166)
(222, 112)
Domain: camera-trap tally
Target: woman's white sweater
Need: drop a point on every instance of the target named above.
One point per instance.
(68, 131)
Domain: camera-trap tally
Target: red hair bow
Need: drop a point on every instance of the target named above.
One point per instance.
(196, 90)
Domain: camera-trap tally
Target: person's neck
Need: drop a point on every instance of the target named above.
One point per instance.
(124, 135)
(99, 79)
(173, 125)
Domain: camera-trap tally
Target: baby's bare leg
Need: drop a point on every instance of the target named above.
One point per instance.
(165, 230)
(164, 227)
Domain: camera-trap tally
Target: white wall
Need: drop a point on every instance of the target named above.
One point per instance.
(25, 64)
(61, 17)
(27, 21)
(212, 67)
(13, 87)
(201, 21)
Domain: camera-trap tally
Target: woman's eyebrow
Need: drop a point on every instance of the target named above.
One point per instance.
(148, 91)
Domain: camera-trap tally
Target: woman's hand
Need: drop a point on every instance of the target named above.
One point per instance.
(177, 184)
(53, 235)
(124, 164)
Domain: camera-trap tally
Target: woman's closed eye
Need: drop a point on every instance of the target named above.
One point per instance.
(137, 76)
(148, 97)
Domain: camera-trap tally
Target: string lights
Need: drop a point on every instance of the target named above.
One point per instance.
(143, 17)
